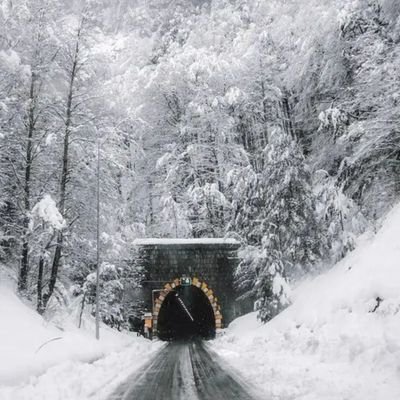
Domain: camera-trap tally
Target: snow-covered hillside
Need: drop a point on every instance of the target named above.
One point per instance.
(340, 339)
(33, 366)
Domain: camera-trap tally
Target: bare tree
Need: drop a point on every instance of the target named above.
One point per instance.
(73, 67)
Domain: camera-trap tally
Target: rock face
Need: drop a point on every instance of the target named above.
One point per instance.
(211, 262)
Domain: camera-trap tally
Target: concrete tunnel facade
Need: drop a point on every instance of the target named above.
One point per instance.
(188, 285)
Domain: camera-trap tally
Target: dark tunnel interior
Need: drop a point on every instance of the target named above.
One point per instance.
(186, 314)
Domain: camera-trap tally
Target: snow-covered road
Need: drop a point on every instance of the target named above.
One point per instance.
(189, 371)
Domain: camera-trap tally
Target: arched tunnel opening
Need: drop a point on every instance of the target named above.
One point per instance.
(185, 314)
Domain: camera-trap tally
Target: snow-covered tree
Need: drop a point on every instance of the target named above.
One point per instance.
(272, 122)
(341, 216)
(30, 46)
(273, 292)
(45, 223)
(289, 214)
(111, 289)
(292, 240)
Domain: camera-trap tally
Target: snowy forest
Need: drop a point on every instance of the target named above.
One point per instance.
(275, 123)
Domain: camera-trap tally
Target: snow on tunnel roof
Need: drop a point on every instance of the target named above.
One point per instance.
(172, 241)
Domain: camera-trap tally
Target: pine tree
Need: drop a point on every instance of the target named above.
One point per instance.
(273, 292)
(290, 205)
(111, 289)
(292, 241)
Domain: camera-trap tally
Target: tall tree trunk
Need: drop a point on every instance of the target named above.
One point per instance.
(39, 306)
(287, 123)
(82, 308)
(263, 140)
(64, 173)
(24, 267)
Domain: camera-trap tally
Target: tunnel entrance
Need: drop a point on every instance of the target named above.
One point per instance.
(186, 313)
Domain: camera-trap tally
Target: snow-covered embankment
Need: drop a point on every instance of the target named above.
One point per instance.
(340, 339)
(73, 366)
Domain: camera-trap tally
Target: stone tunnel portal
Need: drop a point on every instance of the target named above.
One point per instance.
(197, 271)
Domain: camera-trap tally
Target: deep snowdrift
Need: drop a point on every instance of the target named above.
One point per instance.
(340, 339)
(71, 367)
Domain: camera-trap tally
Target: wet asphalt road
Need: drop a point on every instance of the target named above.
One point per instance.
(189, 371)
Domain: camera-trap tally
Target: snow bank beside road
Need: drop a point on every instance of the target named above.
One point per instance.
(23, 331)
(74, 380)
(340, 339)
(65, 368)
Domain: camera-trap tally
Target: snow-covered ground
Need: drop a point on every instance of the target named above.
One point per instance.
(339, 340)
(74, 366)
(334, 342)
